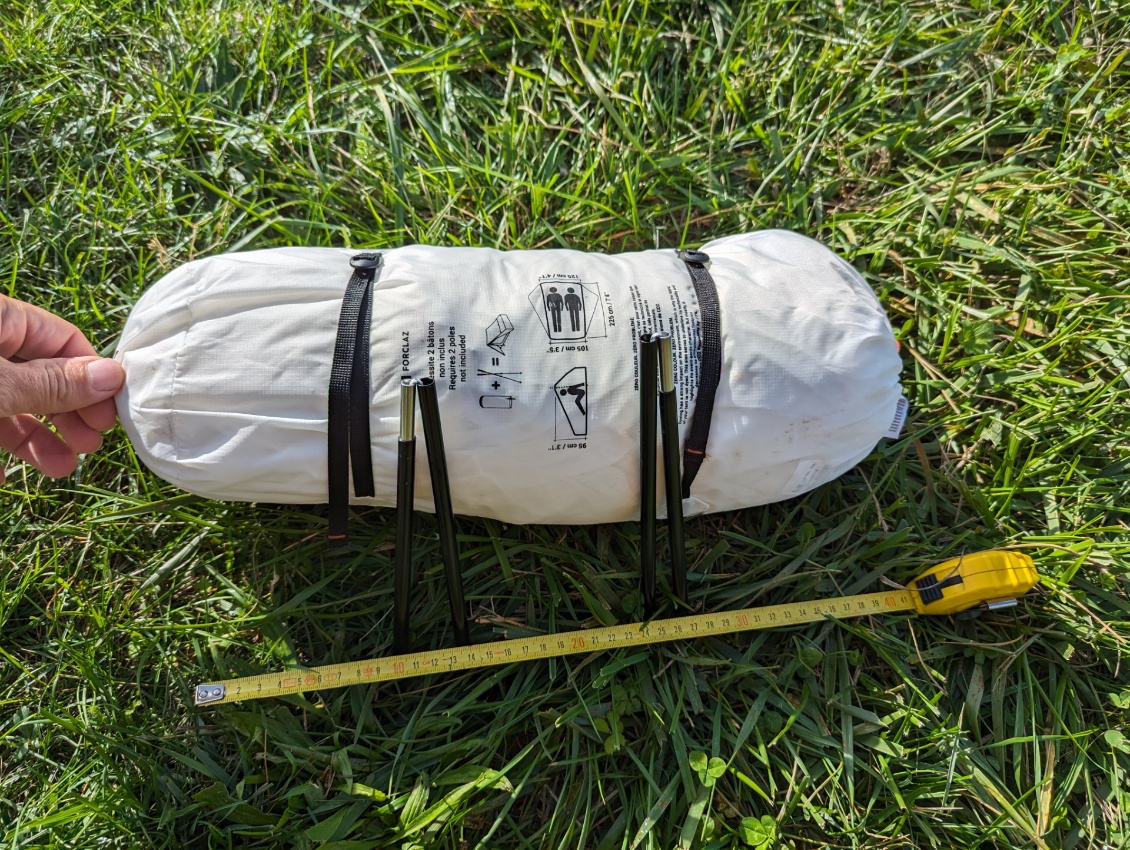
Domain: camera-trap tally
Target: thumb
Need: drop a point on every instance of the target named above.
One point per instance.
(57, 385)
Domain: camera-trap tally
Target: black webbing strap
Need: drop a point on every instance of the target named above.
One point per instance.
(710, 365)
(349, 396)
(359, 442)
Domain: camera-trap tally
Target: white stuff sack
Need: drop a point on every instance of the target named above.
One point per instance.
(228, 363)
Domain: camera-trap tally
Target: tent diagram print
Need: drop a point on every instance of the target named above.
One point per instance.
(499, 332)
(568, 309)
(571, 416)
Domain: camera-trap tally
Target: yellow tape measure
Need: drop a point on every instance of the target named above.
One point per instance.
(993, 579)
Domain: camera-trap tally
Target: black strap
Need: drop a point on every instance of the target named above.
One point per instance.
(359, 442)
(710, 365)
(349, 396)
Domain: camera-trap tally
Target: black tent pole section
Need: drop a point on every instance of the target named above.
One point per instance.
(441, 494)
(649, 385)
(405, 493)
(669, 421)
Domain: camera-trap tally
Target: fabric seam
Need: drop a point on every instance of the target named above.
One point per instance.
(176, 365)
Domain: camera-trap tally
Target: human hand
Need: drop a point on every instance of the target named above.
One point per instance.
(48, 367)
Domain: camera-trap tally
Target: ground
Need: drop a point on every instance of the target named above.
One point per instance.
(968, 158)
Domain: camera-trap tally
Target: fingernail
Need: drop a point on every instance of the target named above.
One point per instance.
(105, 375)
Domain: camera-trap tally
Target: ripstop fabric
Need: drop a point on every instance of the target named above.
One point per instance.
(534, 354)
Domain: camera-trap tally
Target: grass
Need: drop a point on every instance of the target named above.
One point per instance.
(969, 159)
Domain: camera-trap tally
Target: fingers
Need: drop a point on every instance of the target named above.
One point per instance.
(100, 416)
(53, 454)
(29, 439)
(48, 367)
(31, 333)
(76, 433)
(58, 385)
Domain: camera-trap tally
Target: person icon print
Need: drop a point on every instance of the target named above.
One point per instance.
(573, 305)
(578, 392)
(553, 304)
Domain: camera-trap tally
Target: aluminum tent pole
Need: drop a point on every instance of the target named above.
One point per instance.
(405, 493)
(649, 386)
(441, 494)
(669, 422)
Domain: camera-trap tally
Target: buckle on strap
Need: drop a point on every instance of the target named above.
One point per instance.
(365, 260)
(689, 255)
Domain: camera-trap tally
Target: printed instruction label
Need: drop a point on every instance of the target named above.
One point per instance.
(446, 354)
(676, 313)
(548, 346)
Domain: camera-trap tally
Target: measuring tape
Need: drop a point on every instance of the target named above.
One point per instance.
(992, 579)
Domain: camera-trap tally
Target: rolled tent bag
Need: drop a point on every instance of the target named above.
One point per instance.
(786, 368)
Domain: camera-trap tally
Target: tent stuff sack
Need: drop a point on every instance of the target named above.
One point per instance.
(787, 372)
